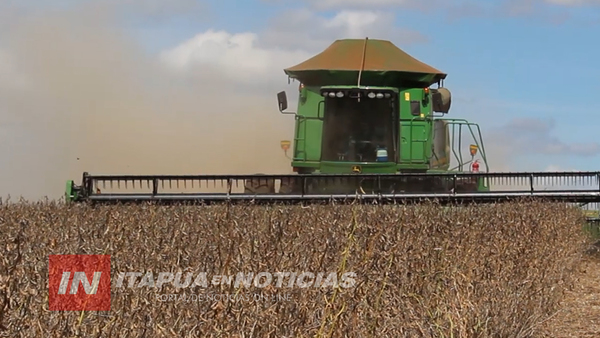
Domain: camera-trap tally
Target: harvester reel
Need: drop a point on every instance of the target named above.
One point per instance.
(259, 185)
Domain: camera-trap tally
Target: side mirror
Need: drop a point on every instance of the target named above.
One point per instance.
(282, 101)
(442, 100)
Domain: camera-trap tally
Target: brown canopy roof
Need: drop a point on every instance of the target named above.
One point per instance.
(384, 65)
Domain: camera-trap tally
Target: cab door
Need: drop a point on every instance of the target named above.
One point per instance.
(414, 128)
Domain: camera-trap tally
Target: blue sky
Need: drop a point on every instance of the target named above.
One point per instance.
(526, 71)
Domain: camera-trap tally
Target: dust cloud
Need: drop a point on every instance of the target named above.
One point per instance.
(91, 99)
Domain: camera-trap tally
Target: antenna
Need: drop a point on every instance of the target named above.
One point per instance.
(362, 65)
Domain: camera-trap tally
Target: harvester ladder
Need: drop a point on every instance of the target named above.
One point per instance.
(300, 142)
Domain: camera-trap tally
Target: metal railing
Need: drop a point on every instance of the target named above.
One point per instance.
(571, 187)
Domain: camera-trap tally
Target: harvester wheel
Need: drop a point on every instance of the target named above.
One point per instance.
(259, 185)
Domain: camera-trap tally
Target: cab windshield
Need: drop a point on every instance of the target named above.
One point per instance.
(359, 130)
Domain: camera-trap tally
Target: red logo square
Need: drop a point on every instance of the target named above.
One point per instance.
(79, 282)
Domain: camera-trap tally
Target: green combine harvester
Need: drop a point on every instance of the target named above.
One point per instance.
(369, 126)
(365, 106)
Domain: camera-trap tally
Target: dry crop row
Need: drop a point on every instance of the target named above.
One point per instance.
(421, 271)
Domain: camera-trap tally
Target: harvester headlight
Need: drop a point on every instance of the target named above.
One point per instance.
(387, 95)
(339, 94)
(325, 94)
(332, 94)
(371, 95)
(379, 95)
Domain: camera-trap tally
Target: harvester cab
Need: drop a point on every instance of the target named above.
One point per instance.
(373, 125)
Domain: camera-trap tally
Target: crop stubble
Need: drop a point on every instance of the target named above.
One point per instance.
(422, 271)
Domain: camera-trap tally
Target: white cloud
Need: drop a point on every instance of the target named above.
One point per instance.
(310, 31)
(355, 23)
(313, 32)
(254, 59)
(236, 56)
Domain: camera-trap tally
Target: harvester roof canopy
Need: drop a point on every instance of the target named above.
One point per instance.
(384, 65)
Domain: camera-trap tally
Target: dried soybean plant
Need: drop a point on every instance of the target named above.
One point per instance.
(421, 271)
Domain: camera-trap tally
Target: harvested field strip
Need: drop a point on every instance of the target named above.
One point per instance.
(421, 271)
(578, 315)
